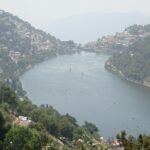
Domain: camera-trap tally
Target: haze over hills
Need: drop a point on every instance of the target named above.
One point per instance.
(90, 26)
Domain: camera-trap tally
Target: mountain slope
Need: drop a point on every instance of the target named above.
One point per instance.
(18, 35)
(134, 63)
(22, 46)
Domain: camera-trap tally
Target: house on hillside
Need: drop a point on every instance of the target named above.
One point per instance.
(23, 121)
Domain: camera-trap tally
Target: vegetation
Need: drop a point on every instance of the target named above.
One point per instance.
(51, 130)
(138, 29)
(47, 128)
(135, 62)
(142, 142)
(22, 46)
(24, 138)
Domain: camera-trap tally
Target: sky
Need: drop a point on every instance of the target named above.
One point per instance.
(67, 19)
(41, 11)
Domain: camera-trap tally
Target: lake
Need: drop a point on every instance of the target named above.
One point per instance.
(79, 85)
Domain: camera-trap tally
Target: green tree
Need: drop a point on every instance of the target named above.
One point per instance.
(90, 127)
(20, 138)
(8, 96)
(2, 130)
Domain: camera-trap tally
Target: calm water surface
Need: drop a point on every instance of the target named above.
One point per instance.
(80, 85)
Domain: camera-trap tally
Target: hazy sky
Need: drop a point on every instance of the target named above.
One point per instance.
(41, 11)
(87, 22)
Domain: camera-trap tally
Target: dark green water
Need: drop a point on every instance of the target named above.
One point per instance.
(80, 85)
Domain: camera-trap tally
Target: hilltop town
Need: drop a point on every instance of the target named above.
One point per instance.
(118, 42)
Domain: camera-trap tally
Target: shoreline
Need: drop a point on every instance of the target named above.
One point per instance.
(110, 67)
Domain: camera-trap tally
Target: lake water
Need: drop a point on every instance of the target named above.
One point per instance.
(79, 85)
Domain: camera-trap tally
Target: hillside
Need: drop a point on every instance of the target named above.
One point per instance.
(23, 37)
(134, 63)
(130, 51)
(118, 42)
(22, 46)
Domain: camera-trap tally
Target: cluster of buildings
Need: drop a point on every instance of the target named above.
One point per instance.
(36, 38)
(15, 56)
(112, 144)
(30, 40)
(23, 121)
(115, 42)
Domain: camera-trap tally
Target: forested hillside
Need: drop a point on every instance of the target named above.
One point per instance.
(134, 63)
